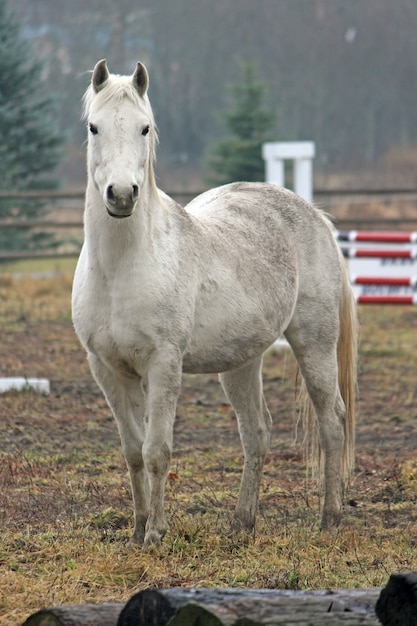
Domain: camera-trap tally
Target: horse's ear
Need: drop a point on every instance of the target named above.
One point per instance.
(140, 79)
(100, 75)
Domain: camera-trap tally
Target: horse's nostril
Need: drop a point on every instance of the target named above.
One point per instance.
(135, 192)
(110, 194)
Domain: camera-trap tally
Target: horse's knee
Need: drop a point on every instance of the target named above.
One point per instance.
(259, 445)
(132, 451)
(156, 458)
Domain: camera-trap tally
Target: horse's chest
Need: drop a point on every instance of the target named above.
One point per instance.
(120, 337)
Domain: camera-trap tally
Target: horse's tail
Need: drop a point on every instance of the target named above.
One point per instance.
(347, 379)
(347, 347)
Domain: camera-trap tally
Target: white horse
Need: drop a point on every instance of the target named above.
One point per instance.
(160, 289)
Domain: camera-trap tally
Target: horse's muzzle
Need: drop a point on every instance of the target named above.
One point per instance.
(120, 201)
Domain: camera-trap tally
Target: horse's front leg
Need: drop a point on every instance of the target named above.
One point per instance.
(162, 388)
(126, 399)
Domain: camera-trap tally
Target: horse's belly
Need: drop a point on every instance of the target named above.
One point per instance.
(223, 349)
(221, 359)
(233, 328)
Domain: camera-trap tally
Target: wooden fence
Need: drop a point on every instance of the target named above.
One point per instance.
(67, 202)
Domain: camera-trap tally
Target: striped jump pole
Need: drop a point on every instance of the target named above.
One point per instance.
(386, 281)
(377, 280)
(389, 299)
(376, 236)
(374, 253)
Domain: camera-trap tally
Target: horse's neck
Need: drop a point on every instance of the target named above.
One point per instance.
(115, 242)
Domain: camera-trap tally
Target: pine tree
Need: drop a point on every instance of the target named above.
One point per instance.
(239, 157)
(29, 141)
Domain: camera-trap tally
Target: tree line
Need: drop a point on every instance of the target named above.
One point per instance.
(339, 73)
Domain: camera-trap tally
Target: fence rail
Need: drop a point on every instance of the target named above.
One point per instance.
(39, 224)
(79, 194)
(76, 198)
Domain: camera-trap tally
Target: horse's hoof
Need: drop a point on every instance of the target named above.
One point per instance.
(153, 538)
(136, 540)
(154, 533)
(242, 523)
(330, 520)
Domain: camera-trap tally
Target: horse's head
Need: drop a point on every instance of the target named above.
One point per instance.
(121, 137)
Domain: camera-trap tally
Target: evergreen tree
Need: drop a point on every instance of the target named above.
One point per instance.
(239, 157)
(29, 141)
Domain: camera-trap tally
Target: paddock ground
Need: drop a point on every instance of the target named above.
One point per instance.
(65, 507)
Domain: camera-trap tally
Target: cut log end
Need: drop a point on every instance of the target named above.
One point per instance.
(397, 603)
(147, 607)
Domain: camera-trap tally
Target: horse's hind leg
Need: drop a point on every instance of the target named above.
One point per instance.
(243, 388)
(313, 339)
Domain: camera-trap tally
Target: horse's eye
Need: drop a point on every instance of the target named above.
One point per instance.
(93, 129)
(145, 131)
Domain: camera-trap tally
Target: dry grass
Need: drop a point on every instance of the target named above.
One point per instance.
(29, 298)
(65, 506)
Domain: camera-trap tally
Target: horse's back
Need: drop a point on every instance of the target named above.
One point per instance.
(257, 202)
(274, 217)
(241, 196)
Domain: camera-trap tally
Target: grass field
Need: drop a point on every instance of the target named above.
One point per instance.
(38, 267)
(65, 505)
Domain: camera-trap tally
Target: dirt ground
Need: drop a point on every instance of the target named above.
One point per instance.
(65, 503)
(75, 414)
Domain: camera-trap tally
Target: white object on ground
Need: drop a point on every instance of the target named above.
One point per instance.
(41, 385)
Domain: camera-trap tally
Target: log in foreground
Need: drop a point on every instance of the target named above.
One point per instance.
(396, 605)
(104, 614)
(221, 607)
(251, 607)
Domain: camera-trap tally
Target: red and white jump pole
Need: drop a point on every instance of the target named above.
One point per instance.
(389, 281)
(377, 236)
(374, 253)
(383, 265)
(389, 299)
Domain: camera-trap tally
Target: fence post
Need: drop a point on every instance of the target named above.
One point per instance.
(301, 153)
